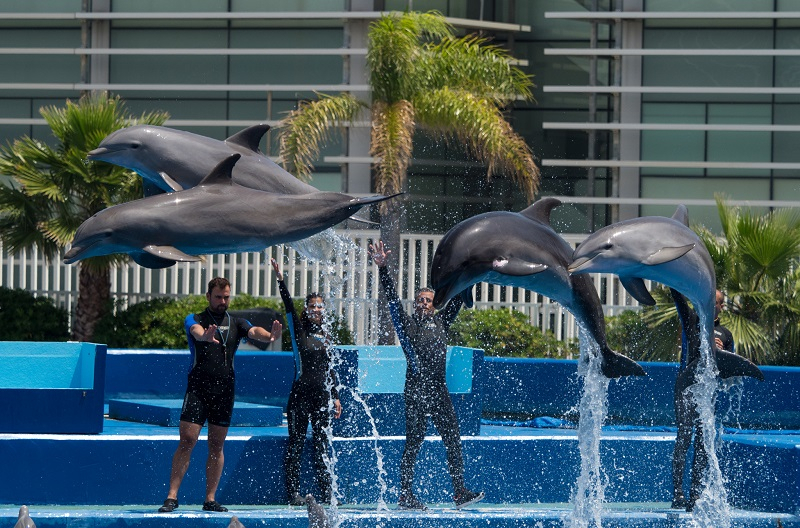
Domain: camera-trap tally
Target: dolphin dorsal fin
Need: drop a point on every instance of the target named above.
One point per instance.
(250, 137)
(222, 173)
(540, 209)
(681, 215)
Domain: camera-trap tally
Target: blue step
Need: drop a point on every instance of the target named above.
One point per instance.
(167, 412)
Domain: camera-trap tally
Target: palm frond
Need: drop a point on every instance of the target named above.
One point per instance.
(473, 65)
(480, 125)
(394, 50)
(304, 131)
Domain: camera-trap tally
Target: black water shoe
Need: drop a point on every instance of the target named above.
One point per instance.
(214, 506)
(169, 506)
(408, 501)
(467, 497)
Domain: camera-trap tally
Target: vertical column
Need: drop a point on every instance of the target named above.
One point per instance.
(630, 110)
(101, 38)
(357, 177)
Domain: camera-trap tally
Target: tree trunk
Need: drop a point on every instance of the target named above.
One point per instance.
(94, 293)
(391, 220)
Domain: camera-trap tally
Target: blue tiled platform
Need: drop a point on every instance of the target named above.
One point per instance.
(167, 412)
(629, 515)
(118, 477)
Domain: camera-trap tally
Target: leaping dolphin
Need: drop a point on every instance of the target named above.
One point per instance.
(217, 216)
(657, 248)
(171, 160)
(522, 249)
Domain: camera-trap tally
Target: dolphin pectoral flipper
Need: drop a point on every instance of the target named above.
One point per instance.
(635, 286)
(730, 365)
(149, 261)
(516, 267)
(667, 254)
(616, 365)
(172, 184)
(170, 253)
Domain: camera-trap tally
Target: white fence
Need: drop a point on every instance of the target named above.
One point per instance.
(348, 281)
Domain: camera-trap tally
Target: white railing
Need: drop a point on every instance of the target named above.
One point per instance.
(348, 281)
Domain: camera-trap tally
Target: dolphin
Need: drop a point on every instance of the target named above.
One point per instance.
(317, 518)
(217, 216)
(657, 248)
(686, 416)
(24, 519)
(171, 160)
(235, 523)
(522, 249)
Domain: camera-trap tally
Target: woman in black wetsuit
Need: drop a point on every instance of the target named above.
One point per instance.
(314, 396)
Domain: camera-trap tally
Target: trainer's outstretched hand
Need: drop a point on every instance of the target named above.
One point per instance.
(378, 253)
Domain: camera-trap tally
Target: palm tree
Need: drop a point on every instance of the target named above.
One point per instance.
(757, 265)
(421, 76)
(54, 189)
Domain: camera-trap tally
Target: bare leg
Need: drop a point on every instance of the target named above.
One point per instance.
(189, 433)
(216, 459)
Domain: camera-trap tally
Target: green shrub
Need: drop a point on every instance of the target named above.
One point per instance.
(158, 323)
(508, 333)
(29, 318)
(631, 333)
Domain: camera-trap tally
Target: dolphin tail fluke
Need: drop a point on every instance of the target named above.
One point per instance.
(615, 365)
(730, 365)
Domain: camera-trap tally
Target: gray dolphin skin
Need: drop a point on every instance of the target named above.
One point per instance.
(170, 160)
(522, 250)
(657, 248)
(217, 216)
(24, 519)
(317, 518)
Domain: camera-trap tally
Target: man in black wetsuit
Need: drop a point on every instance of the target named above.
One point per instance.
(423, 337)
(214, 337)
(686, 417)
(314, 396)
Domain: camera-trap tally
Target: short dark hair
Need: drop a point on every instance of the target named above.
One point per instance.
(218, 282)
(313, 295)
(423, 290)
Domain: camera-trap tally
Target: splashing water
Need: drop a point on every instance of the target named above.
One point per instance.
(323, 247)
(377, 448)
(589, 494)
(326, 246)
(712, 507)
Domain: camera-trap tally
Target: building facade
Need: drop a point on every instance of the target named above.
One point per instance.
(640, 104)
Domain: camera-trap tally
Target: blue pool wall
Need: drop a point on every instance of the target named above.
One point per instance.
(524, 388)
(51, 387)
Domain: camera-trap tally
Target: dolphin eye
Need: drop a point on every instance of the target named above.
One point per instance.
(607, 246)
(134, 145)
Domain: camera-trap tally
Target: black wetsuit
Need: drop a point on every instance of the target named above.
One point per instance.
(424, 342)
(310, 399)
(687, 418)
(210, 390)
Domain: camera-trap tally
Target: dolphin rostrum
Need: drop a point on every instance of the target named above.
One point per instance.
(171, 160)
(24, 519)
(217, 216)
(317, 518)
(522, 250)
